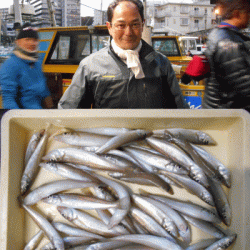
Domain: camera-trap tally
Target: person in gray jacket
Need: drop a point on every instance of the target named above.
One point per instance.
(128, 73)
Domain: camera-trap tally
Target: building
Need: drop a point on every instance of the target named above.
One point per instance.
(67, 12)
(174, 17)
(100, 17)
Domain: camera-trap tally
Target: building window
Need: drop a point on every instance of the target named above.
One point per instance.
(196, 24)
(174, 8)
(174, 21)
(184, 21)
(184, 9)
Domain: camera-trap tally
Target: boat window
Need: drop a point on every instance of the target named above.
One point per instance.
(168, 47)
(69, 48)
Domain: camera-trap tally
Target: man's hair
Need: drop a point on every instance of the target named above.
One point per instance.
(227, 7)
(114, 4)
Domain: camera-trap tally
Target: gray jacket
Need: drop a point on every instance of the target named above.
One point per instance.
(103, 80)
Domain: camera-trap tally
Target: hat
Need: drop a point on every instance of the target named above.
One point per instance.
(27, 31)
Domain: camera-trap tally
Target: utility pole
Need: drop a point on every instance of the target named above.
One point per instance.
(51, 13)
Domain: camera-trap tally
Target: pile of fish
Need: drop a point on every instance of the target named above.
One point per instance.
(112, 215)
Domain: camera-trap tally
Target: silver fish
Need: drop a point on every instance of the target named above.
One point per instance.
(80, 156)
(105, 130)
(90, 223)
(52, 188)
(32, 167)
(205, 226)
(216, 164)
(155, 160)
(70, 171)
(223, 243)
(188, 208)
(181, 224)
(34, 241)
(79, 201)
(150, 223)
(178, 156)
(191, 135)
(123, 139)
(164, 219)
(69, 241)
(47, 228)
(144, 179)
(202, 244)
(33, 142)
(159, 243)
(193, 187)
(124, 200)
(81, 139)
(221, 202)
(107, 245)
(74, 231)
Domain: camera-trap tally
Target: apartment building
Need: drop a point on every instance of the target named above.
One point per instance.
(178, 17)
(67, 12)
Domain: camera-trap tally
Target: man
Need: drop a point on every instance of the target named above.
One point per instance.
(126, 74)
(23, 83)
(228, 52)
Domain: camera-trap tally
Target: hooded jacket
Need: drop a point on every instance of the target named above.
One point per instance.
(104, 81)
(23, 83)
(229, 83)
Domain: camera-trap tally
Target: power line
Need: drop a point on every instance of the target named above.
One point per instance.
(91, 7)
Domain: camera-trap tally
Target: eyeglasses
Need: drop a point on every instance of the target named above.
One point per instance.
(123, 26)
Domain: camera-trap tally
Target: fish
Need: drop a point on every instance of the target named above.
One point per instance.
(151, 225)
(221, 202)
(34, 241)
(181, 224)
(123, 139)
(178, 156)
(191, 135)
(89, 222)
(164, 219)
(189, 149)
(32, 167)
(192, 187)
(70, 171)
(155, 160)
(202, 244)
(205, 226)
(109, 131)
(223, 243)
(74, 231)
(217, 165)
(144, 179)
(69, 241)
(124, 201)
(81, 139)
(79, 201)
(188, 208)
(46, 227)
(83, 157)
(159, 243)
(53, 187)
(33, 142)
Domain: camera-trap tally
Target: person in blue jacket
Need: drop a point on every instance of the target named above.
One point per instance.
(23, 84)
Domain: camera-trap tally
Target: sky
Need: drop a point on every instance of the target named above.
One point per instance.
(85, 10)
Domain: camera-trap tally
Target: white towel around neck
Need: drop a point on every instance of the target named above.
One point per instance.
(131, 58)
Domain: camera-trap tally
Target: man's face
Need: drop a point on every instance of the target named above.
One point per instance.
(28, 44)
(126, 26)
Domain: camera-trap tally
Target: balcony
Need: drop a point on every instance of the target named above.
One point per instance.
(197, 13)
(163, 13)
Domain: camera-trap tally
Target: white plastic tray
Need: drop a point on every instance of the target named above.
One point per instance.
(230, 128)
